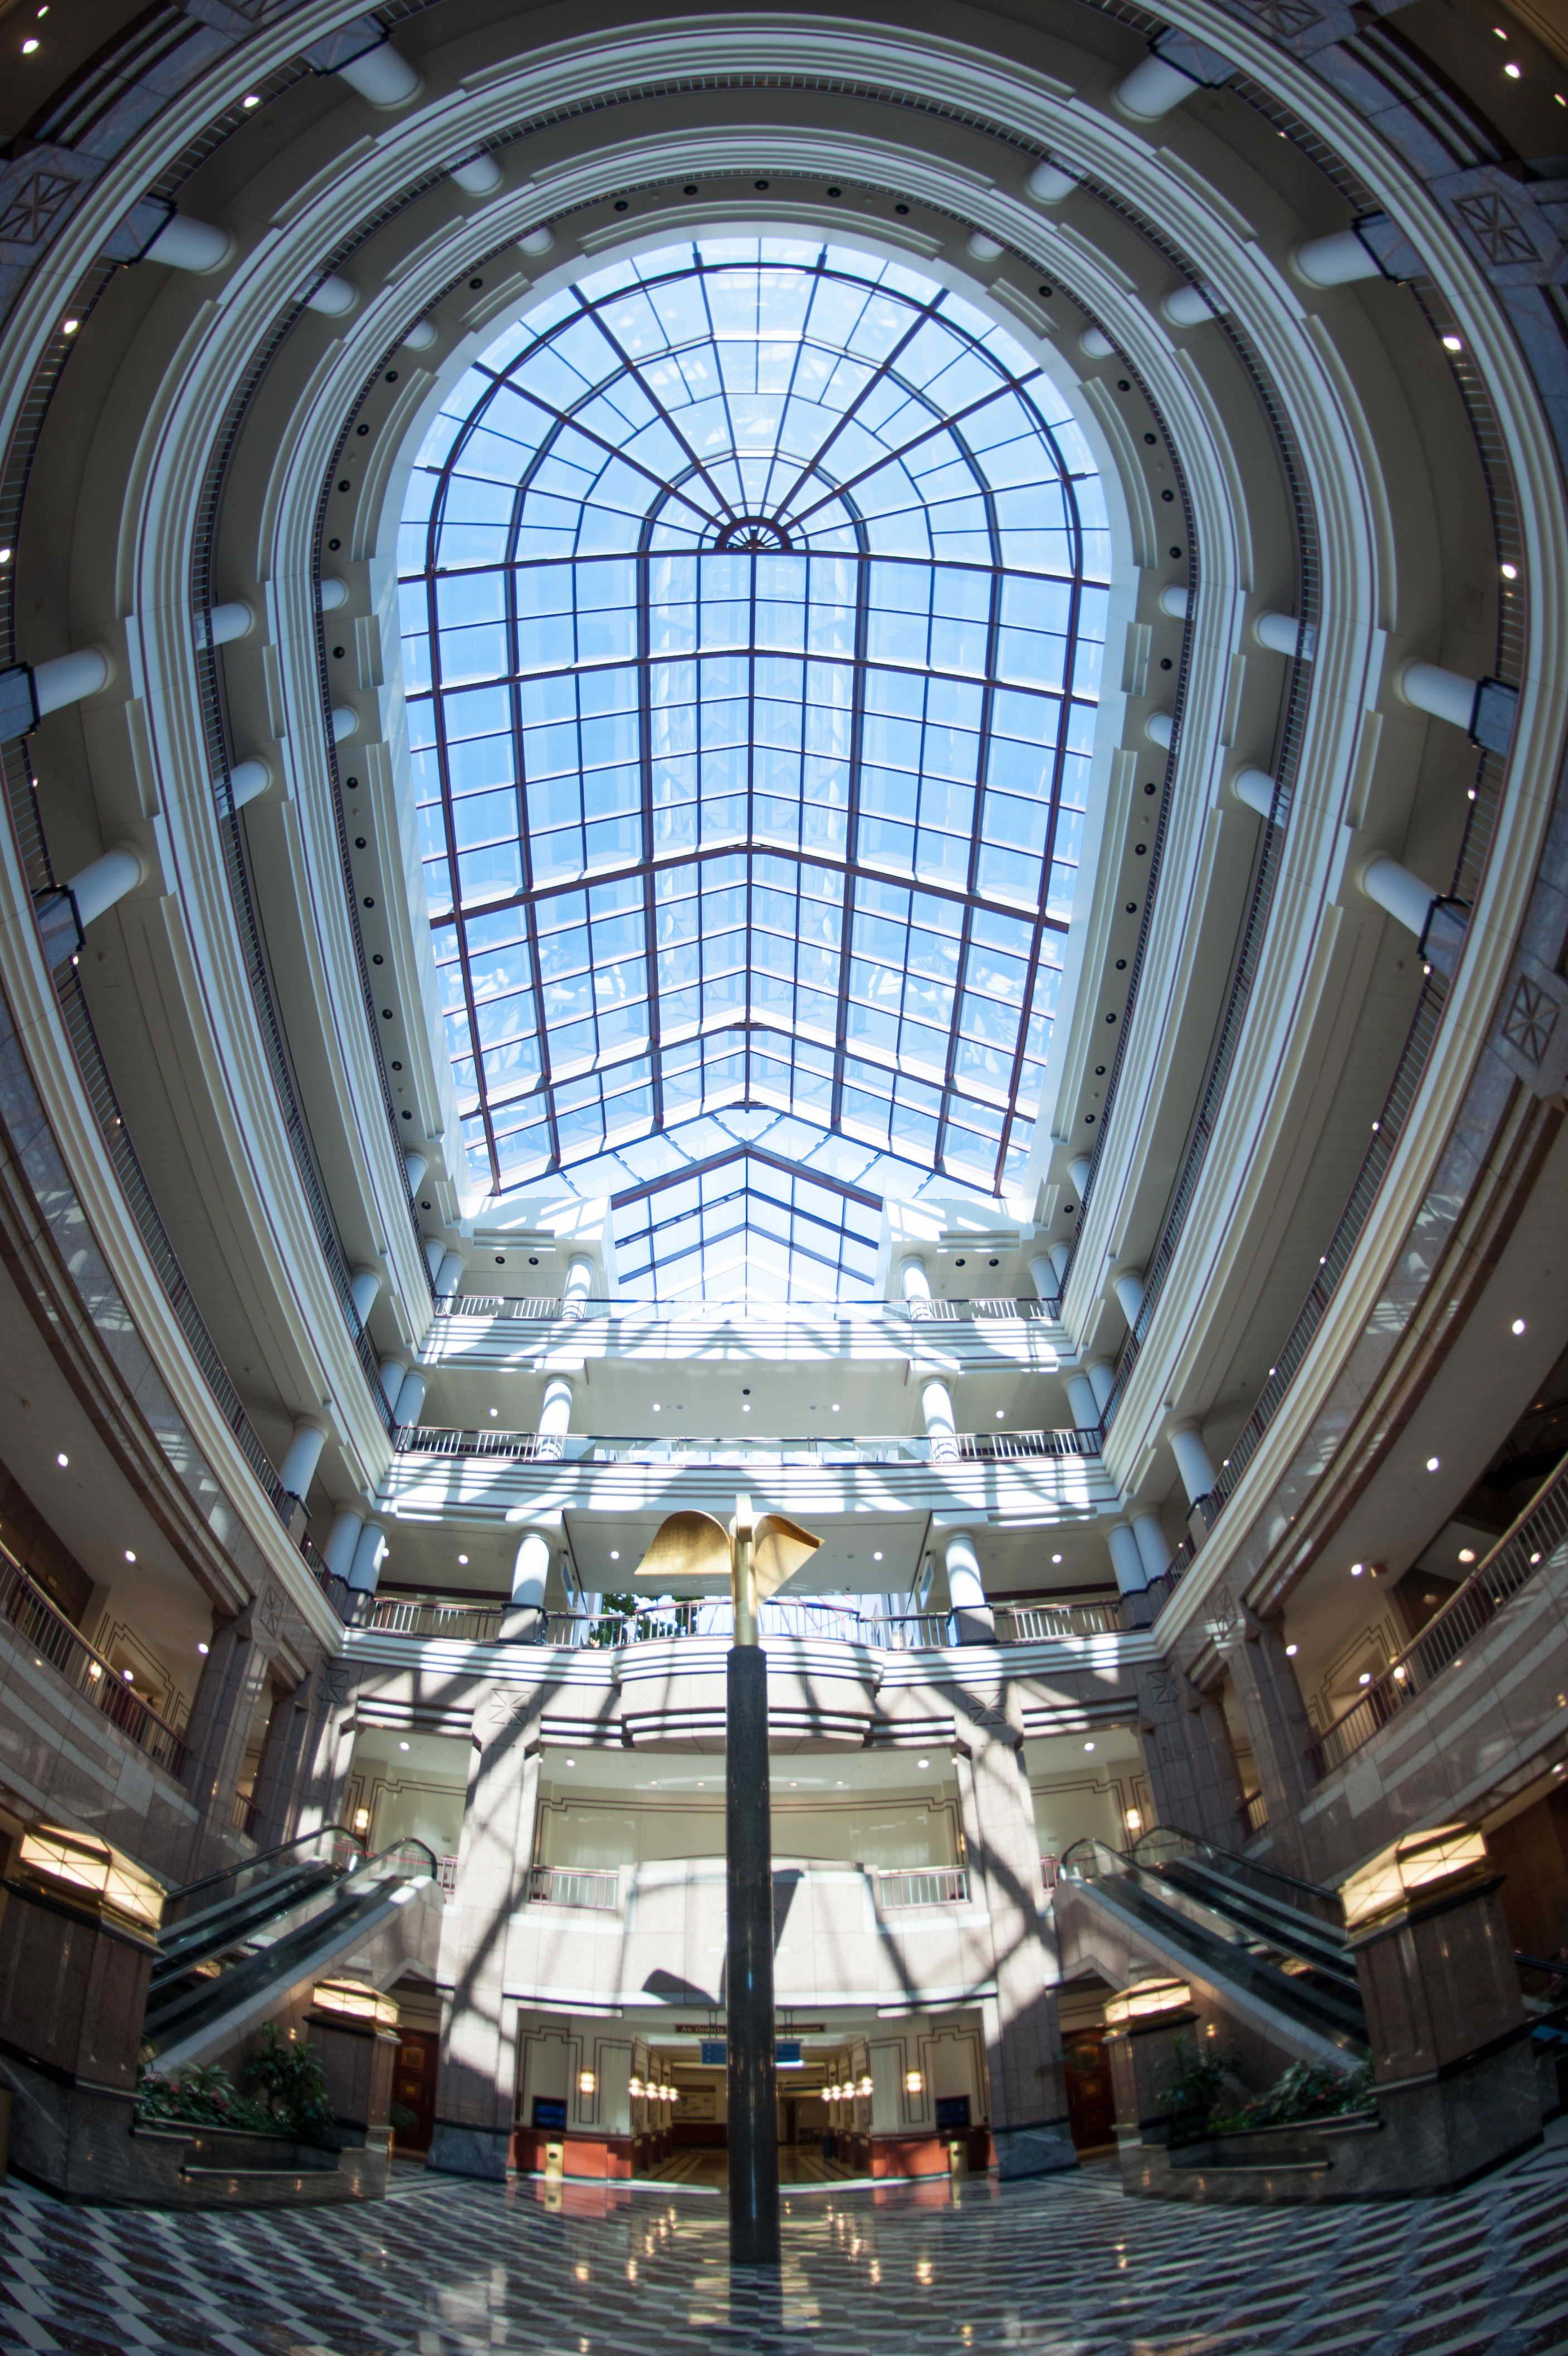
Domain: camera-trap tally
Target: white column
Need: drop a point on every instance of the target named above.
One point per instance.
(1049, 184)
(69, 677)
(579, 1289)
(554, 1416)
(449, 1275)
(362, 1290)
(1254, 789)
(1103, 1375)
(1334, 260)
(303, 1454)
(368, 1554)
(1160, 729)
(185, 244)
(1127, 1284)
(334, 298)
(410, 1398)
(435, 1259)
(915, 1285)
(1080, 1398)
(1283, 634)
(966, 1590)
(382, 76)
(338, 1551)
(1044, 1276)
(935, 1406)
(394, 1374)
(1445, 694)
(332, 593)
(479, 177)
(530, 1570)
(1193, 1460)
(246, 780)
(415, 1166)
(1061, 1256)
(224, 624)
(345, 722)
(1174, 602)
(1126, 1560)
(1079, 1170)
(1395, 890)
(1149, 1531)
(98, 887)
(1153, 89)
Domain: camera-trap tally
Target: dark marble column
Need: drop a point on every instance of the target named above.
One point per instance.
(1280, 1732)
(753, 2086)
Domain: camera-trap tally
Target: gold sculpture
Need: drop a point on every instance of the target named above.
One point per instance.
(758, 1555)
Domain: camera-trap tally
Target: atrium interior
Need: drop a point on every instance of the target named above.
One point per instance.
(783, 920)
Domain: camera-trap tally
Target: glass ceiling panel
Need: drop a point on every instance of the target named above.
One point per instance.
(753, 599)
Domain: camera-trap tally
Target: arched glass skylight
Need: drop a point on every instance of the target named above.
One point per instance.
(753, 598)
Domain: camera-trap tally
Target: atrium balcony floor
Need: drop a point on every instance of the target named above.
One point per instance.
(1063, 2265)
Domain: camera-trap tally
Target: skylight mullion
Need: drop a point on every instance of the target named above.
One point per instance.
(630, 367)
(885, 367)
(449, 818)
(528, 899)
(851, 829)
(943, 424)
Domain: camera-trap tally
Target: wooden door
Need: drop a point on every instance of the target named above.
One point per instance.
(1092, 2109)
(413, 2087)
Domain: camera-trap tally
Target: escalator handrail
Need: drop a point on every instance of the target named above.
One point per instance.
(1113, 1864)
(1313, 1941)
(1249, 1867)
(262, 1856)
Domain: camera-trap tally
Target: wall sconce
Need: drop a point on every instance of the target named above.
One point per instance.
(914, 2083)
(1134, 1821)
(866, 2086)
(361, 1820)
(586, 2082)
(634, 2085)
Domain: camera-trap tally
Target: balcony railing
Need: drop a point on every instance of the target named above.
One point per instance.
(591, 1448)
(561, 1885)
(574, 1309)
(1254, 1814)
(894, 1632)
(899, 1889)
(53, 1639)
(1538, 1539)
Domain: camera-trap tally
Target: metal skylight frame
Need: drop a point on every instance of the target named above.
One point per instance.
(940, 1114)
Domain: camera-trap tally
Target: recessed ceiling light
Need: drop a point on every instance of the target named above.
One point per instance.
(403, 1746)
(1519, 1324)
(1291, 1651)
(129, 1675)
(1365, 1678)
(615, 1554)
(656, 1407)
(835, 1409)
(1088, 1746)
(1357, 1569)
(252, 100)
(1434, 1463)
(1056, 1558)
(129, 1555)
(463, 1559)
(877, 1556)
(201, 1648)
(999, 1413)
(922, 1762)
(1466, 1554)
(1452, 344)
(62, 1458)
(571, 1762)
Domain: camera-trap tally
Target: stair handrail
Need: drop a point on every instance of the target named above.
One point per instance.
(264, 1856)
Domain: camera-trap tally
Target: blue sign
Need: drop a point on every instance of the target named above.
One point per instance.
(787, 2053)
(713, 2052)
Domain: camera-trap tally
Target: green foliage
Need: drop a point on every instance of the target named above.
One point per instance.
(404, 2121)
(1193, 2088)
(1308, 2091)
(198, 2096)
(289, 2077)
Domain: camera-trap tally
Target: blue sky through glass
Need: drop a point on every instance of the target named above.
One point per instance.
(753, 597)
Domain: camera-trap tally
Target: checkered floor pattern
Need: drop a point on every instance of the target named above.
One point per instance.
(1064, 2267)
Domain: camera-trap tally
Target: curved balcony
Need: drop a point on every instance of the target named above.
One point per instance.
(677, 1449)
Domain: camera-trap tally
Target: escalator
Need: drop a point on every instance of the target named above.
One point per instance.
(1269, 1947)
(235, 1945)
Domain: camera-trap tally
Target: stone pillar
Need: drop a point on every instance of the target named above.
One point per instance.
(966, 1590)
(328, 1750)
(1024, 2056)
(285, 1756)
(477, 2090)
(523, 1620)
(554, 1418)
(1279, 1730)
(1446, 2024)
(216, 1733)
(1216, 1786)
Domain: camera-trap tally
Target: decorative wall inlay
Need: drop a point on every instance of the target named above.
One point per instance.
(1533, 1038)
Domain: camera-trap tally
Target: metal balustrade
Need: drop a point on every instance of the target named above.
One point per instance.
(711, 1616)
(1254, 1814)
(574, 1310)
(45, 1628)
(561, 1885)
(1538, 1541)
(899, 1889)
(677, 1449)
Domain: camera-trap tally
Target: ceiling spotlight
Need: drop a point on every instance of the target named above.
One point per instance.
(922, 1762)
(62, 1458)
(877, 1556)
(835, 1409)
(1357, 1569)
(1088, 1746)
(1452, 344)
(252, 100)
(615, 1554)
(1434, 1463)
(1519, 1324)
(202, 1648)
(129, 1555)
(403, 1746)
(1291, 1652)
(1466, 1554)
(463, 1559)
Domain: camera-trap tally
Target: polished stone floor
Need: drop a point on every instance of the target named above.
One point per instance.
(1063, 2267)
